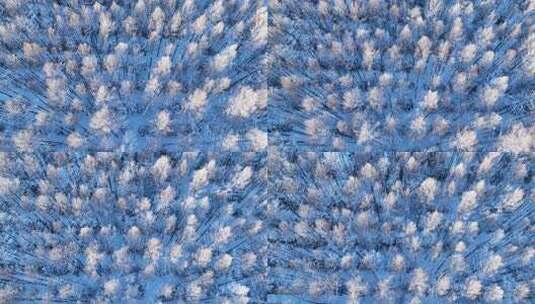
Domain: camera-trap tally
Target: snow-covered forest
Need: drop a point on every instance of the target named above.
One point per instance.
(114, 228)
(402, 227)
(133, 75)
(434, 75)
(267, 151)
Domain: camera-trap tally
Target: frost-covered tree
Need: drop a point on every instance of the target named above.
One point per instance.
(143, 228)
(158, 75)
(435, 227)
(402, 75)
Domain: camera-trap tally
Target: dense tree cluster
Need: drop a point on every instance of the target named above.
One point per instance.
(402, 227)
(402, 75)
(163, 75)
(110, 228)
(135, 165)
